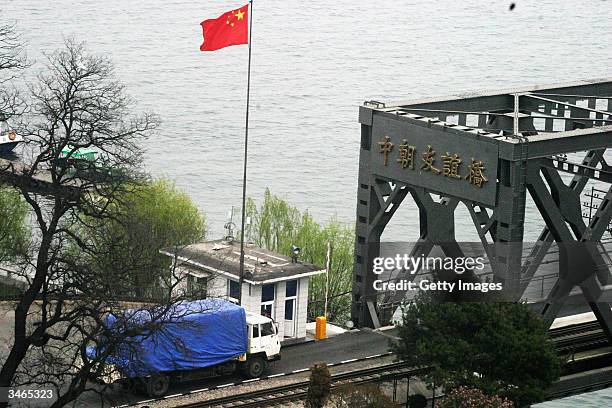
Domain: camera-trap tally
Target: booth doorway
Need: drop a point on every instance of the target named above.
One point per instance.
(290, 308)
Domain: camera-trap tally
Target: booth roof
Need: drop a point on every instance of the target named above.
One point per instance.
(260, 265)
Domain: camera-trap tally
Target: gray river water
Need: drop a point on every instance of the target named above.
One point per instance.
(314, 63)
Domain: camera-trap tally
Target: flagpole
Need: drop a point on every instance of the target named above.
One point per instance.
(328, 262)
(246, 142)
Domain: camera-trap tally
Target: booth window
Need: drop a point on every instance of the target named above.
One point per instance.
(233, 290)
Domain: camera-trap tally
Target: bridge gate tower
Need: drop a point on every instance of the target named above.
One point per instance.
(487, 151)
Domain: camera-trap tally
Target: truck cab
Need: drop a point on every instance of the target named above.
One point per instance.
(264, 344)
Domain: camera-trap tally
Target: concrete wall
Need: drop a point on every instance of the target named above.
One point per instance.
(251, 298)
(181, 282)
(181, 273)
(217, 286)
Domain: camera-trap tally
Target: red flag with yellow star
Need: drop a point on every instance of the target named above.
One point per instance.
(230, 28)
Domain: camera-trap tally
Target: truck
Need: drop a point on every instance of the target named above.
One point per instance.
(199, 339)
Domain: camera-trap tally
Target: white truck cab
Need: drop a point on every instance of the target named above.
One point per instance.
(264, 344)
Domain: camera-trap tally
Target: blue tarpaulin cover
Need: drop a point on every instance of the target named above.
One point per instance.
(192, 335)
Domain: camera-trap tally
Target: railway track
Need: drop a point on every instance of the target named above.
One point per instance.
(574, 328)
(579, 337)
(570, 339)
(578, 389)
(567, 339)
(297, 391)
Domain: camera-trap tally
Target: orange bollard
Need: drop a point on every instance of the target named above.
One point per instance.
(321, 328)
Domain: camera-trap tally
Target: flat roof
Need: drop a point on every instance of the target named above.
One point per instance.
(253, 318)
(260, 265)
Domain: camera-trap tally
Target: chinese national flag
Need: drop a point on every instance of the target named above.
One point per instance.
(231, 28)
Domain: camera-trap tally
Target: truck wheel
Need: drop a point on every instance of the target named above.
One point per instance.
(157, 385)
(255, 367)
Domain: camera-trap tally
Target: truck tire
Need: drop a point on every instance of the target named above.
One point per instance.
(157, 385)
(255, 366)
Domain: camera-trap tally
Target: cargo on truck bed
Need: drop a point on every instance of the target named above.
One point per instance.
(190, 340)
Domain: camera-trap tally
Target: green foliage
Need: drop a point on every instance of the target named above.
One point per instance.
(506, 344)
(276, 225)
(361, 396)
(170, 216)
(14, 231)
(152, 216)
(417, 401)
(319, 387)
(468, 397)
(9, 291)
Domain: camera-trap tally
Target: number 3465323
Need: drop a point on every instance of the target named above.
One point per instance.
(29, 394)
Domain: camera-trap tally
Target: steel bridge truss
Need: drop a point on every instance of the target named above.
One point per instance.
(489, 151)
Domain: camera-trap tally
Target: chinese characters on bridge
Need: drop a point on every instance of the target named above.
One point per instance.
(450, 163)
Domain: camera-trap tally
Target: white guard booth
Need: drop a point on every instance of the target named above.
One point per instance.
(274, 285)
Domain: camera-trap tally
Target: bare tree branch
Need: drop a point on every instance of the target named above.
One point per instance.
(12, 61)
(77, 104)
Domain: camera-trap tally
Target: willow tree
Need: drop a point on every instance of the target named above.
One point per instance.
(155, 215)
(277, 225)
(14, 231)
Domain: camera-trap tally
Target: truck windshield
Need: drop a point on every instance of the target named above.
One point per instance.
(267, 329)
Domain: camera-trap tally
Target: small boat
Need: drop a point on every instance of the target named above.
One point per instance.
(9, 139)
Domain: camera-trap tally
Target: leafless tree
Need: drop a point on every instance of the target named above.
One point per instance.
(11, 49)
(12, 61)
(77, 106)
